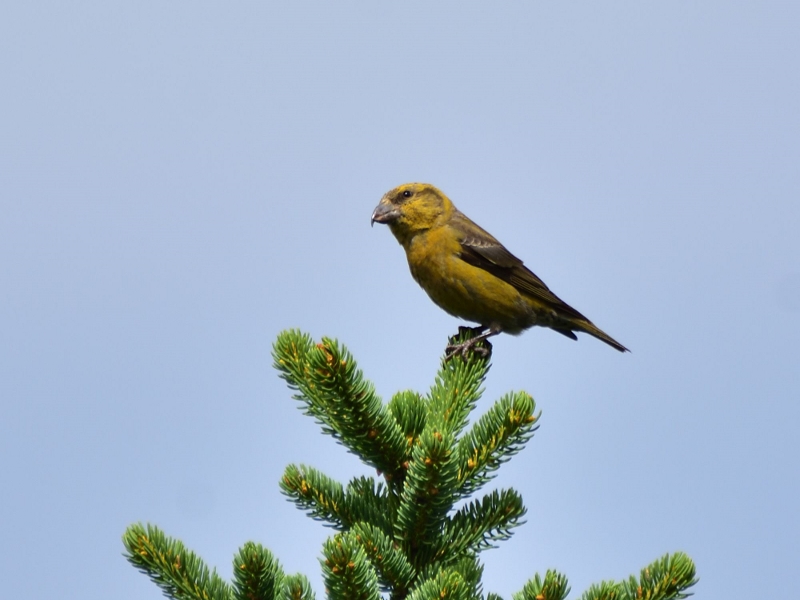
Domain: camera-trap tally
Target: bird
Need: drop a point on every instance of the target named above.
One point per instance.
(471, 275)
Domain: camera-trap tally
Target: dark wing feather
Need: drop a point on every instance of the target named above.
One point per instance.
(480, 249)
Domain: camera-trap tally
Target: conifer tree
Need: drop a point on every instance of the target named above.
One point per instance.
(399, 537)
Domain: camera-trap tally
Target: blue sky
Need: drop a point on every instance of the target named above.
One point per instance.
(181, 181)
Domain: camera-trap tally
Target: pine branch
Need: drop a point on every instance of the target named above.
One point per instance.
(606, 590)
(321, 497)
(478, 525)
(553, 587)
(668, 578)
(368, 502)
(471, 571)
(334, 392)
(296, 587)
(410, 410)
(466, 565)
(257, 575)
(456, 391)
(347, 571)
(448, 583)
(181, 574)
(395, 573)
(494, 439)
(402, 536)
(428, 495)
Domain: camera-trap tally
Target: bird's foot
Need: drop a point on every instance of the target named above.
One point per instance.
(475, 343)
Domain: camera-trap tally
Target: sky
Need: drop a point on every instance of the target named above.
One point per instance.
(179, 182)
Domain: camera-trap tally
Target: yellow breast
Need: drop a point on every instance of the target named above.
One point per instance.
(461, 289)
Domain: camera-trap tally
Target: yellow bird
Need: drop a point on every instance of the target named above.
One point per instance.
(471, 275)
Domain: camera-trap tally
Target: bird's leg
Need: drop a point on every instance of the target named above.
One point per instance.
(480, 334)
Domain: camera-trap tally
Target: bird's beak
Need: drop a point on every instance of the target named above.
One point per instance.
(384, 213)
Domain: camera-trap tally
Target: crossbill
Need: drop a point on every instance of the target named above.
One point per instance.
(471, 275)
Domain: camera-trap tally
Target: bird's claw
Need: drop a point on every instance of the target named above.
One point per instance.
(462, 349)
(484, 349)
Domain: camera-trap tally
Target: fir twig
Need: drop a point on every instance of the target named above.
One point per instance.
(427, 496)
(369, 502)
(456, 391)
(347, 571)
(316, 493)
(448, 583)
(257, 575)
(410, 410)
(296, 587)
(668, 578)
(479, 524)
(497, 436)
(180, 573)
(553, 587)
(402, 536)
(334, 391)
(394, 571)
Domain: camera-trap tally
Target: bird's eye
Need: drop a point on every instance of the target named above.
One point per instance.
(406, 194)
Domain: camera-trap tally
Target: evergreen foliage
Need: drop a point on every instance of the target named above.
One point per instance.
(399, 538)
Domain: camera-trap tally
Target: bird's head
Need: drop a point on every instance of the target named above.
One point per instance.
(412, 208)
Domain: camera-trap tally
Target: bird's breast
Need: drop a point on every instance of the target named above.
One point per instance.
(461, 289)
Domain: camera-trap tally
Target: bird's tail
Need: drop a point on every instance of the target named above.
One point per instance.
(592, 329)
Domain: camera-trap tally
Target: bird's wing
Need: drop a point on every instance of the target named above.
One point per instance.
(480, 249)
